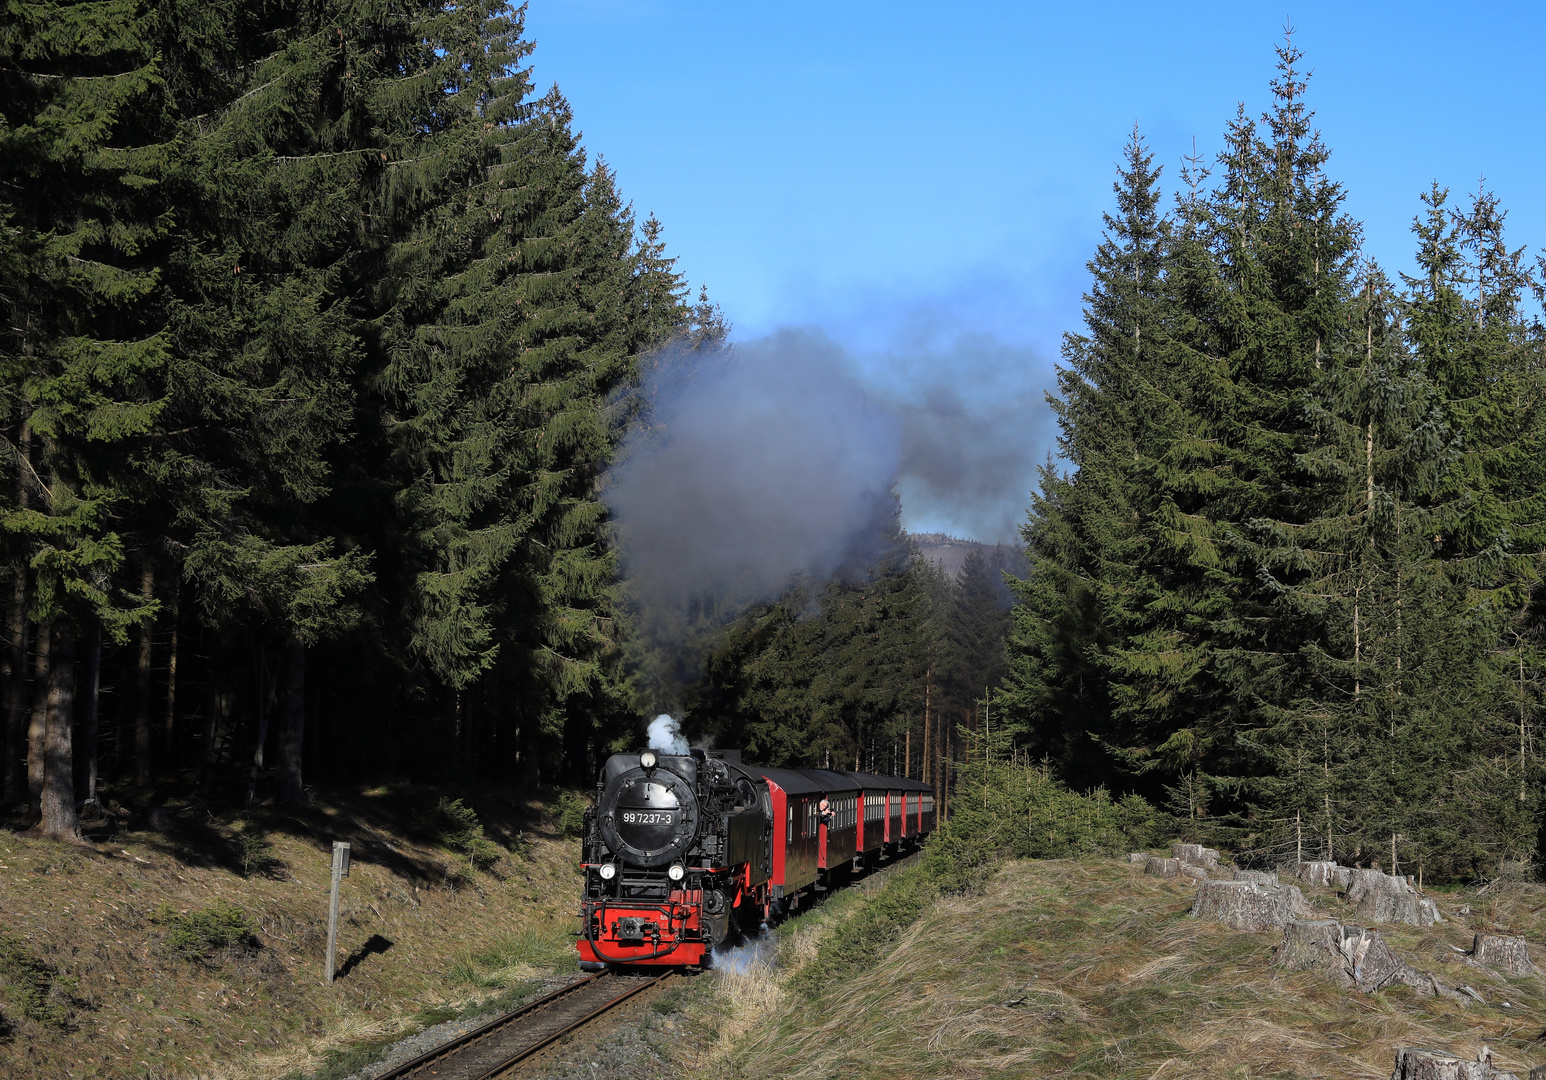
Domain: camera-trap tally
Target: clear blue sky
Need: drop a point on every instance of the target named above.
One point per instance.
(923, 183)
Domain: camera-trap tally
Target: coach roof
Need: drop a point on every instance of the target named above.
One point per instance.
(869, 781)
(794, 781)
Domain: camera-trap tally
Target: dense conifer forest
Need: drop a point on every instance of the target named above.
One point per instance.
(1287, 579)
(316, 322)
(322, 328)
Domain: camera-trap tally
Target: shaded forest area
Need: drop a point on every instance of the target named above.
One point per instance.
(319, 325)
(321, 331)
(1287, 581)
(891, 673)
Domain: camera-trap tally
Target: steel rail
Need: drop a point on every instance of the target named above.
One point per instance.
(581, 1022)
(508, 1022)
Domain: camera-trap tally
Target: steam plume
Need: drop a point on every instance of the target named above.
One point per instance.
(666, 736)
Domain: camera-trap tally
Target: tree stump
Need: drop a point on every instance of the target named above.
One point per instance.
(1316, 873)
(1383, 898)
(1162, 867)
(1414, 1063)
(1341, 877)
(1196, 873)
(1510, 955)
(1373, 966)
(1245, 905)
(1196, 855)
(1260, 877)
(1137, 857)
(1314, 945)
(1352, 957)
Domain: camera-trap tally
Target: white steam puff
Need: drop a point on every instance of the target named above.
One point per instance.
(666, 736)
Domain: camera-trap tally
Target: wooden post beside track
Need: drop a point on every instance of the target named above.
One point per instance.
(340, 871)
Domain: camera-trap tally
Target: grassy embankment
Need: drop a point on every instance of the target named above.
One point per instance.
(1089, 968)
(198, 950)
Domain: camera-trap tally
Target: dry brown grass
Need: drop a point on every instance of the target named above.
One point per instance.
(1090, 968)
(91, 911)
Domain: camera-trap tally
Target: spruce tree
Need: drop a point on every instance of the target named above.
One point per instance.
(1085, 530)
(86, 141)
(1469, 334)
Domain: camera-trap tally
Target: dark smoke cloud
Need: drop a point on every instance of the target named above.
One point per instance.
(976, 426)
(781, 457)
(757, 466)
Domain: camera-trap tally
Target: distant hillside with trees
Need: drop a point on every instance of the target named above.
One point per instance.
(950, 553)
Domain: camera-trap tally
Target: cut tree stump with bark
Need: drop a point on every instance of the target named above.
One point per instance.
(1374, 966)
(1260, 877)
(1162, 867)
(1352, 957)
(1415, 1063)
(1383, 898)
(1316, 873)
(1510, 955)
(1245, 905)
(1196, 873)
(1196, 855)
(1137, 857)
(1314, 945)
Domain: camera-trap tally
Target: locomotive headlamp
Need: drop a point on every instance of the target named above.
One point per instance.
(608, 871)
(648, 759)
(677, 872)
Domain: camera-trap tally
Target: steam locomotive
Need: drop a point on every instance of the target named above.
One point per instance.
(683, 852)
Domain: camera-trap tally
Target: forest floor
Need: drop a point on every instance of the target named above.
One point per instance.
(197, 950)
(1090, 968)
(112, 965)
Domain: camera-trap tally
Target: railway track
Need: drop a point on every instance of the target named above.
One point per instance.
(506, 1041)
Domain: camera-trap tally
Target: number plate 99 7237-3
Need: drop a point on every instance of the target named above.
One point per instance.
(647, 817)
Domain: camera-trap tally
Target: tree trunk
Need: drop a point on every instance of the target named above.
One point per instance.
(37, 730)
(1196, 855)
(86, 755)
(142, 716)
(1244, 905)
(16, 699)
(16, 703)
(928, 772)
(1314, 945)
(1510, 955)
(1416, 1063)
(170, 743)
(292, 735)
(263, 709)
(59, 821)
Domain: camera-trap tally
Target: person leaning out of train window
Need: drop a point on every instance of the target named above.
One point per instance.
(824, 808)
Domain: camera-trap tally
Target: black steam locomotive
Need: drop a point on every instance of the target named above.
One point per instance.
(683, 851)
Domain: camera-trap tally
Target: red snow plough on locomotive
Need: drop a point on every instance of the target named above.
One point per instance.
(684, 851)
